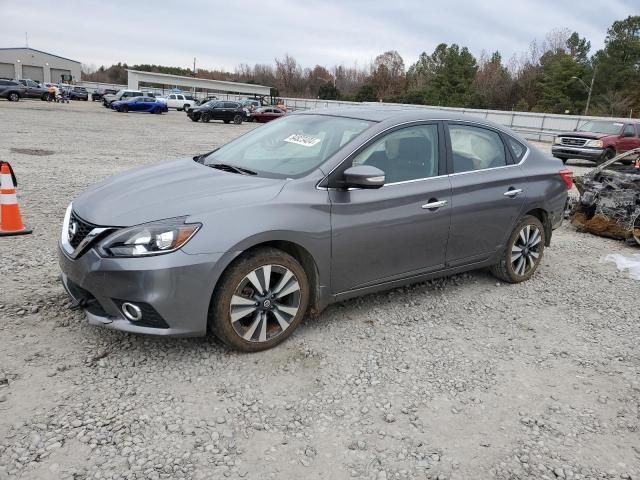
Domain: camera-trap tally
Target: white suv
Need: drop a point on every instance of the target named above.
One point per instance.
(180, 101)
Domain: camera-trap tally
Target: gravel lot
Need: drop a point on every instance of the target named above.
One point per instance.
(460, 378)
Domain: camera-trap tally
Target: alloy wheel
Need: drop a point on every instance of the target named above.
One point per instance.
(525, 252)
(265, 303)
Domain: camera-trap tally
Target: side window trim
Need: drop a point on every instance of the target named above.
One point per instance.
(333, 178)
(510, 161)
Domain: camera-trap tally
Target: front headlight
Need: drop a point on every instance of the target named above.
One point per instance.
(557, 140)
(593, 143)
(153, 238)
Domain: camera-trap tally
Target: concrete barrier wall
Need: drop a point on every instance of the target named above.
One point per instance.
(535, 126)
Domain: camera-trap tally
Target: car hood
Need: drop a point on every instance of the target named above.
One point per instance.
(171, 189)
(579, 134)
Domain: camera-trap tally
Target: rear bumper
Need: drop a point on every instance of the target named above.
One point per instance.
(593, 154)
(175, 289)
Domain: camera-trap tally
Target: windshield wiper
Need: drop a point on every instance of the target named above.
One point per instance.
(232, 168)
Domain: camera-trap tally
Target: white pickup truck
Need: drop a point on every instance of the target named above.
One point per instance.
(180, 101)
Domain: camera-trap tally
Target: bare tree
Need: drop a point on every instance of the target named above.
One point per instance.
(288, 74)
(388, 73)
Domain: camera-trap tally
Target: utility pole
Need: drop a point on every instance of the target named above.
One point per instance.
(26, 39)
(593, 77)
(588, 88)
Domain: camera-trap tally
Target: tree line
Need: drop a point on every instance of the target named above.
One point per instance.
(554, 75)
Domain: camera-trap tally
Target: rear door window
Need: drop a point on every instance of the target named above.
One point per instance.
(517, 149)
(475, 148)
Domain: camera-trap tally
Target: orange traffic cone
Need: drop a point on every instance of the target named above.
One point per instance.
(10, 219)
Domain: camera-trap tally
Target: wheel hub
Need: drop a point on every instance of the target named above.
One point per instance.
(265, 302)
(525, 251)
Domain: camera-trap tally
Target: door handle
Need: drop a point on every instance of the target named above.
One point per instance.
(513, 192)
(434, 205)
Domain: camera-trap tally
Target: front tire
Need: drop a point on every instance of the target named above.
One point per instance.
(237, 119)
(608, 154)
(523, 252)
(206, 118)
(260, 300)
(124, 109)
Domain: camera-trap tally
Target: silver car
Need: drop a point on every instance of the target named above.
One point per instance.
(311, 209)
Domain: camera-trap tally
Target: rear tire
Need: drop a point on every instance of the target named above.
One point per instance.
(13, 97)
(523, 252)
(252, 319)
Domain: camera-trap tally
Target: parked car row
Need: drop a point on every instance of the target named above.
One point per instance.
(14, 90)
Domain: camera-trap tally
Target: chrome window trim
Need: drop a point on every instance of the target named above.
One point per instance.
(524, 157)
(522, 160)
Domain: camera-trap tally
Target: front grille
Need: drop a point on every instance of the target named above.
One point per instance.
(82, 229)
(573, 142)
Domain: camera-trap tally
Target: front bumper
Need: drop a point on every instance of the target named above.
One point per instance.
(177, 286)
(593, 154)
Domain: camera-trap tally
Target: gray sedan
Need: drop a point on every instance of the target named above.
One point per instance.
(311, 209)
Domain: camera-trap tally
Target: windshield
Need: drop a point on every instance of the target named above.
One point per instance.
(289, 147)
(610, 128)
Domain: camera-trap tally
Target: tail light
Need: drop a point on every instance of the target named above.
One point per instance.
(567, 177)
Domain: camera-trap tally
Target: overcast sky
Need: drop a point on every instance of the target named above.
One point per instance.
(327, 32)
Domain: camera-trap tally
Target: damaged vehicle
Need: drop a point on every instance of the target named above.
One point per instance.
(609, 203)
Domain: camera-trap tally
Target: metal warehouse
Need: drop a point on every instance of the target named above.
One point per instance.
(17, 63)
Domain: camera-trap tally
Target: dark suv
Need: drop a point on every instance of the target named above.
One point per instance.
(11, 90)
(218, 110)
(34, 89)
(78, 93)
(98, 94)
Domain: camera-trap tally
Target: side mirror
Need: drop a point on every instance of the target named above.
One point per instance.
(628, 134)
(363, 176)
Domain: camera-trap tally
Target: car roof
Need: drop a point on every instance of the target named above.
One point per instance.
(402, 114)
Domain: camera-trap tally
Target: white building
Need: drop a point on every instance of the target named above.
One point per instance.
(17, 63)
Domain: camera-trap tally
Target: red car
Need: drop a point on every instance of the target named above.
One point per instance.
(597, 140)
(265, 114)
